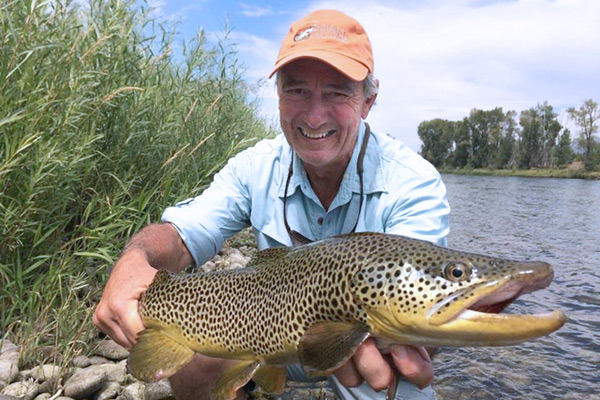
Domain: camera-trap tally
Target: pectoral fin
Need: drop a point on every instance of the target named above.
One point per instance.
(327, 345)
(157, 355)
(270, 378)
(234, 378)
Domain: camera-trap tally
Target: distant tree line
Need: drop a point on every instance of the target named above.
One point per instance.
(494, 139)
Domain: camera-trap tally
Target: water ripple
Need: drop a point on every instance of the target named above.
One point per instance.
(553, 220)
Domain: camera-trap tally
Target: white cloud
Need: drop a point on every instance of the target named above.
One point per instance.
(254, 11)
(440, 59)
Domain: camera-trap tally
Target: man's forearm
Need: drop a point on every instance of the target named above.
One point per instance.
(162, 246)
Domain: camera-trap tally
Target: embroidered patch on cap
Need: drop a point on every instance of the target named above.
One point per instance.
(321, 31)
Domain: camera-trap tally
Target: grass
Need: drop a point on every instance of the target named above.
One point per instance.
(102, 125)
(568, 173)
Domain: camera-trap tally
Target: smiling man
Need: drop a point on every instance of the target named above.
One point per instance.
(327, 174)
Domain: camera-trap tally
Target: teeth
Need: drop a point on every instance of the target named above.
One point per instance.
(315, 136)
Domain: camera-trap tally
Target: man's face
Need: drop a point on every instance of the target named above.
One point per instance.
(320, 111)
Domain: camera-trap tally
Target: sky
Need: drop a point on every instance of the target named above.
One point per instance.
(433, 58)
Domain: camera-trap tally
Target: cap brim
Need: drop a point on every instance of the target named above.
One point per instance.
(347, 66)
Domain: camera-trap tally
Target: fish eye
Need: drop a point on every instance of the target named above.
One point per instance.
(456, 271)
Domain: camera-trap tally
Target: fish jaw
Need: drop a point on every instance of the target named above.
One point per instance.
(467, 315)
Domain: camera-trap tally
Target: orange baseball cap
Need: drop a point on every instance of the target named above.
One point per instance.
(332, 37)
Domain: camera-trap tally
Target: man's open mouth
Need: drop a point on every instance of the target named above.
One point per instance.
(320, 135)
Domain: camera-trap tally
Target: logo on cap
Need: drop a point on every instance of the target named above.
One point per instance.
(303, 34)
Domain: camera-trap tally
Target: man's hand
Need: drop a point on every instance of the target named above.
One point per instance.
(116, 313)
(369, 365)
(155, 246)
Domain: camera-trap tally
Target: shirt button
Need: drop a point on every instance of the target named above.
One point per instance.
(320, 220)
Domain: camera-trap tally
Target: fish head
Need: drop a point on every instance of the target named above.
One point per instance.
(415, 292)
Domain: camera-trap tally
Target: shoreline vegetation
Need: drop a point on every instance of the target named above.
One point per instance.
(561, 173)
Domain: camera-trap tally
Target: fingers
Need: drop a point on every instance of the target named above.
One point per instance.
(371, 365)
(368, 365)
(117, 313)
(414, 364)
(121, 323)
(348, 375)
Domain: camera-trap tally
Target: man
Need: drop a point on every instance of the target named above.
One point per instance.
(327, 175)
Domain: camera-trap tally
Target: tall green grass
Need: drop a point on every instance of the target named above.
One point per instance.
(101, 127)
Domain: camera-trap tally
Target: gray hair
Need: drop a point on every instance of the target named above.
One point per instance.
(369, 84)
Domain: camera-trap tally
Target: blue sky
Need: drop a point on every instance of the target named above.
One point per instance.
(433, 58)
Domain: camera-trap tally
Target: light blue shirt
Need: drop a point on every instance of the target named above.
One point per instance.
(404, 195)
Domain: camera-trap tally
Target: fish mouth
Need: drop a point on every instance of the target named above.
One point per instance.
(315, 135)
(481, 322)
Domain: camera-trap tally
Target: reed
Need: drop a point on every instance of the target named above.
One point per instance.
(102, 125)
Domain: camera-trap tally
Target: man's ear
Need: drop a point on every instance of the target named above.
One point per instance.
(369, 103)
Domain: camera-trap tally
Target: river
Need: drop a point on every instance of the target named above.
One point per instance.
(553, 220)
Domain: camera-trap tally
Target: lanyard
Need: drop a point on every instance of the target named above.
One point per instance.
(297, 237)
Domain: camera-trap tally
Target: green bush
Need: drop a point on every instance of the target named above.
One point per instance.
(101, 127)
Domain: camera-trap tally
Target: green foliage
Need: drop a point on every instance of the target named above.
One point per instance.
(492, 139)
(563, 153)
(538, 135)
(436, 136)
(586, 117)
(101, 127)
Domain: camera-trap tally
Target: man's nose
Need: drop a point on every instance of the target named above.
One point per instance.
(316, 112)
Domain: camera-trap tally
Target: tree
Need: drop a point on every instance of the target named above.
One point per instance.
(462, 144)
(509, 149)
(539, 130)
(563, 153)
(486, 133)
(586, 118)
(436, 136)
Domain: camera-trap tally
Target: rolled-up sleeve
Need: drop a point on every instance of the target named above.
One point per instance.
(223, 209)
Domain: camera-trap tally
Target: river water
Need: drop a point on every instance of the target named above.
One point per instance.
(553, 220)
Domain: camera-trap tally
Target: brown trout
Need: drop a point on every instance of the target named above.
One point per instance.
(316, 304)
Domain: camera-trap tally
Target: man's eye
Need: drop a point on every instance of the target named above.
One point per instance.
(295, 91)
(337, 96)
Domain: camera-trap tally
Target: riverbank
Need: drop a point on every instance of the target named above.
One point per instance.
(567, 173)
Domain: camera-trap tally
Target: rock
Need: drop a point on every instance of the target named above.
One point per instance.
(24, 390)
(158, 390)
(97, 360)
(48, 396)
(9, 363)
(111, 350)
(7, 397)
(135, 391)
(117, 372)
(81, 362)
(86, 381)
(43, 373)
(89, 380)
(110, 390)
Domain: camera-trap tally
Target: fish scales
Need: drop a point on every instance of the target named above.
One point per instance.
(263, 309)
(318, 302)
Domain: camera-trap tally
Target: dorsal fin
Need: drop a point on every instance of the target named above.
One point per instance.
(269, 255)
(162, 276)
